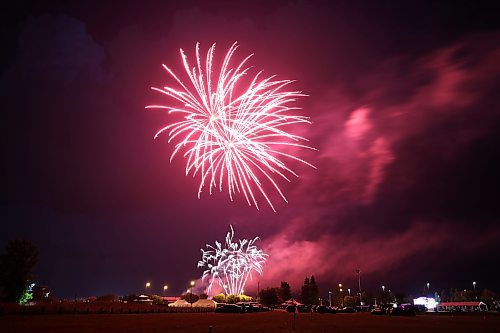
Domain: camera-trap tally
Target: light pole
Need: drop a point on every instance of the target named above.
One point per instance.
(349, 291)
(428, 287)
(474, 285)
(340, 294)
(165, 287)
(330, 298)
(148, 285)
(359, 286)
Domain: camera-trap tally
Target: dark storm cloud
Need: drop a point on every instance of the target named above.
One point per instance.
(406, 123)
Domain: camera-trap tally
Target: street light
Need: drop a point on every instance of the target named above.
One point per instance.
(383, 289)
(165, 287)
(148, 284)
(330, 298)
(349, 291)
(428, 286)
(474, 285)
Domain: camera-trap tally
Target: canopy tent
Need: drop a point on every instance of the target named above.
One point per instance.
(180, 303)
(291, 302)
(143, 299)
(205, 303)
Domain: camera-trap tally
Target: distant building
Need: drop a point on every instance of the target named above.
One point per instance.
(463, 306)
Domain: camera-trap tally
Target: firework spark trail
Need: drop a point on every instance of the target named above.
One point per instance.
(230, 136)
(233, 264)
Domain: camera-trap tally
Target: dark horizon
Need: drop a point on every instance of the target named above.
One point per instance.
(405, 112)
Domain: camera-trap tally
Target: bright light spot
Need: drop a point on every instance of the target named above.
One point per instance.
(428, 302)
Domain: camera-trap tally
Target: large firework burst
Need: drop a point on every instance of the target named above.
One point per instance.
(233, 131)
(233, 264)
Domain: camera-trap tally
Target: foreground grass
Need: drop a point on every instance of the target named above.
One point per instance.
(277, 321)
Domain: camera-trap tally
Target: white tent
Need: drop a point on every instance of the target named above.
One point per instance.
(180, 303)
(291, 302)
(143, 299)
(205, 303)
(428, 302)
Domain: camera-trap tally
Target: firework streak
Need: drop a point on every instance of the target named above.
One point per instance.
(233, 264)
(233, 132)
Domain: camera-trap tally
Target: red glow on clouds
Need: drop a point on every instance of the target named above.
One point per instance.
(357, 153)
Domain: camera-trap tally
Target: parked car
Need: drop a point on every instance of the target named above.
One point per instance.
(229, 308)
(248, 307)
(303, 308)
(325, 309)
(320, 309)
(363, 308)
(263, 308)
(346, 309)
(420, 308)
(402, 311)
(379, 311)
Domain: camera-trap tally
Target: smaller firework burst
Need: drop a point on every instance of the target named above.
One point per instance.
(233, 264)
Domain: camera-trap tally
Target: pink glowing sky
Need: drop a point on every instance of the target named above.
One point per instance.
(405, 112)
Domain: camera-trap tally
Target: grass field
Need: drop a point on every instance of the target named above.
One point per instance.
(276, 321)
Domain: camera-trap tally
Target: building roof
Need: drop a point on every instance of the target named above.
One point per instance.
(461, 303)
(170, 298)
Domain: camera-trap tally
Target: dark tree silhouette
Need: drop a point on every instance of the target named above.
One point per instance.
(16, 266)
(269, 296)
(309, 292)
(190, 297)
(285, 292)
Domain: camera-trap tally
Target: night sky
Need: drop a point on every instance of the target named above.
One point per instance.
(405, 104)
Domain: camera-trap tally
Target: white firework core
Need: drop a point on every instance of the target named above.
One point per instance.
(233, 264)
(233, 132)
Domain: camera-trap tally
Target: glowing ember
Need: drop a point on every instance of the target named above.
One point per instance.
(233, 264)
(233, 133)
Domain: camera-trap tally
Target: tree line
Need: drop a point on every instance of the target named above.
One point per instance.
(309, 293)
